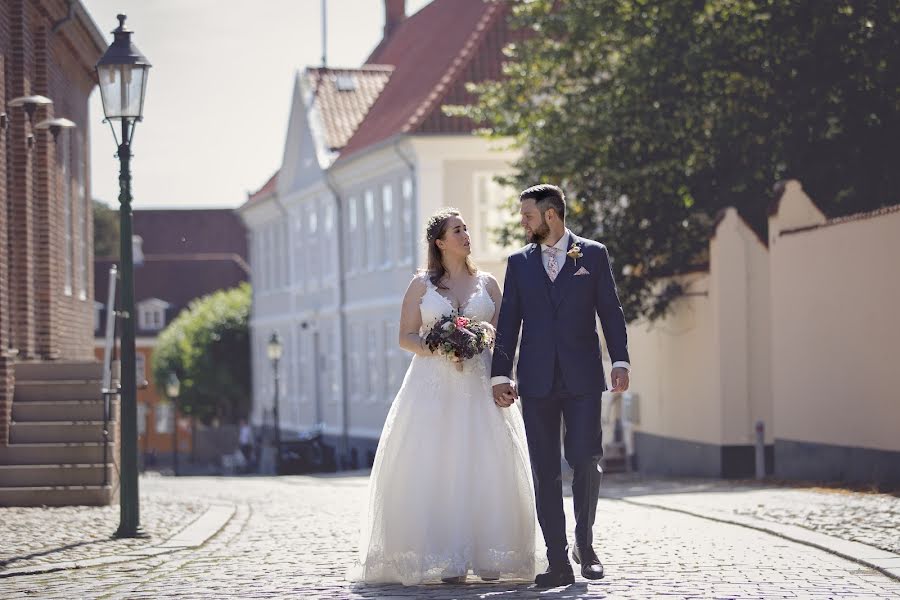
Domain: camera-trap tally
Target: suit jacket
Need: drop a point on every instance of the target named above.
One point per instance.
(557, 320)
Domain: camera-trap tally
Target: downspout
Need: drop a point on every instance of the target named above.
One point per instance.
(342, 318)
(414, 206)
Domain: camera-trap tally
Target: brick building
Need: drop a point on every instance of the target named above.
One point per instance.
(48, 48)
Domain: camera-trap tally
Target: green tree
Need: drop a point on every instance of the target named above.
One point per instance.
(653, 116)
(106, 231)
(208, 347)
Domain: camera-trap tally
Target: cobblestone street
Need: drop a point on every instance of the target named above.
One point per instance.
(295, 536)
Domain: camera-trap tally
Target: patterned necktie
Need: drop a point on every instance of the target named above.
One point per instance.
(552, 265)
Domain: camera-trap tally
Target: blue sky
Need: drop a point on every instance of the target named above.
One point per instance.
(219, 91)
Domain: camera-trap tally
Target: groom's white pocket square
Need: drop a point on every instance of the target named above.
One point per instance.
(582, 271)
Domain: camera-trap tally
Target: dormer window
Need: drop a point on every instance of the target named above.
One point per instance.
(152, 314)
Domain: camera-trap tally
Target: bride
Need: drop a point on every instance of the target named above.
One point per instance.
(451, 489)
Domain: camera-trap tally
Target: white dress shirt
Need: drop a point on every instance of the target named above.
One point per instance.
(562, 247)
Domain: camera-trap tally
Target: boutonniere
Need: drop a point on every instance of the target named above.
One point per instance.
(574, 252)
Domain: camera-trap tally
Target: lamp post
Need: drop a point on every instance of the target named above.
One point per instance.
(122, 72)
(173, 388)
(275, 350)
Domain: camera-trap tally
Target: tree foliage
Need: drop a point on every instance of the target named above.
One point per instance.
(208, 347)
(106, 231)
(654, 116)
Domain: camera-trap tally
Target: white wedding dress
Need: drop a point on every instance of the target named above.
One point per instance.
(451, 489)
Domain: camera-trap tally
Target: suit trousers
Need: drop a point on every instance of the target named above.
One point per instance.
(583, 447)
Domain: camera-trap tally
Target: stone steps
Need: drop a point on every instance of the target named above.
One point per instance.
(62, 495)
(58, 452)
(36, 432)
(79, 474)
(61, 410)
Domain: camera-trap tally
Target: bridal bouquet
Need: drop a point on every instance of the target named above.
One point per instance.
(459, 338)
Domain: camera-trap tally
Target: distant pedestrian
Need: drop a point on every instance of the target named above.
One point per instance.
(245, 440)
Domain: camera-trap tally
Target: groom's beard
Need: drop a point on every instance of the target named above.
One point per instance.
(539, 235)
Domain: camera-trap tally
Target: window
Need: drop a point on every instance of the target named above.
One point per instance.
(490, 214)
(152, 314)
(98, 311)
(371, 231)
(387, 213)
(389, 351)
(314, 256)
(407, 233)
(164, 414)
(299, 243)
(328, 266)
(140, 368)
(353, 234)
(84, 210)
(142, 418)
(372, 346)
(64, 150)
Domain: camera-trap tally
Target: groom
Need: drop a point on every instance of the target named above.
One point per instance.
(555, 286)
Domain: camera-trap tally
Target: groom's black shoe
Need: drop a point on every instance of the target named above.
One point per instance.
(591, 567)
(555, 576)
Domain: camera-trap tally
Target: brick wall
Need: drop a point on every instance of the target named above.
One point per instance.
(41, 316)
(6, 390)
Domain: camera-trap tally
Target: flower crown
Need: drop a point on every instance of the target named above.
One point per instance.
(436, 222)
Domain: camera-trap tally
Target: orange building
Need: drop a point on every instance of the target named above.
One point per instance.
(180, 255)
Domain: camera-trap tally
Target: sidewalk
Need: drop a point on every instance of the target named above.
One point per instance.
(41, 539)
(860, 526)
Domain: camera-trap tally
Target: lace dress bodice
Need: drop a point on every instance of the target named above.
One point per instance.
(433, 305)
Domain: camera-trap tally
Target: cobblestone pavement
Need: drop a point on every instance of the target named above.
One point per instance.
(295, 536)
(34, 536)
(869, 518)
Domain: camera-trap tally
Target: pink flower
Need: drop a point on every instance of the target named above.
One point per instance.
(461, 322)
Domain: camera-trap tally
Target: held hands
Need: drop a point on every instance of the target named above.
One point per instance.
(619, 377)
(505, 394)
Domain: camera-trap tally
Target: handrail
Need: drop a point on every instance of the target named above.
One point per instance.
(110, 326)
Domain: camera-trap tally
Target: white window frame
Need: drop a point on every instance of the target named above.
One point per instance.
(354, 235)
(371, 228)
(387, 219)
(69, 250)
(152, 314)
(85, 209)
(406, 220)
(487, 215)
(163, 413)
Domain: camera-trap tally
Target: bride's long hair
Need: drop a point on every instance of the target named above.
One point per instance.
(434, 230)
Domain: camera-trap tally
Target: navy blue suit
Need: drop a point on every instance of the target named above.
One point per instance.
(560, 374)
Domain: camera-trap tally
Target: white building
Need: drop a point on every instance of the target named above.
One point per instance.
(337, 233)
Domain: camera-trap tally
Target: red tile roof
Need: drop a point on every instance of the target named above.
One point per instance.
(434, 53)
(267, 189)
(343, 97)
(424, 64)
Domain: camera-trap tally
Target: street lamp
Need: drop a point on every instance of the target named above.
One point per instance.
(122, 72)
(173, 387)
(275, 350)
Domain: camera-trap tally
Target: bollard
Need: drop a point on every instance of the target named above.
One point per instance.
(760, 450)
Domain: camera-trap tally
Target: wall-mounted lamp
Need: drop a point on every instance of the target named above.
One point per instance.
(30, 104)
(55, 126)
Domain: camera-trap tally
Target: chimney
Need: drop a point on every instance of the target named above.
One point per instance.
(394, 14)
